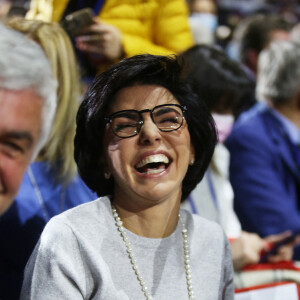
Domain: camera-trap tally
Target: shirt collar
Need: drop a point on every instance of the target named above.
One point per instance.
(290, 128)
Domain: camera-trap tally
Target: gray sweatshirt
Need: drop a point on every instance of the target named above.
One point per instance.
(81, 255)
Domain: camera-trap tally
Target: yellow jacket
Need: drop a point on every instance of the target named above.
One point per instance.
(147, 26)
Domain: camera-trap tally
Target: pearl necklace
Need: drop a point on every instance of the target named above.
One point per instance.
(131, 256)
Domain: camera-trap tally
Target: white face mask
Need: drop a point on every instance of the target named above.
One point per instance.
(208, 20)
(224, 125)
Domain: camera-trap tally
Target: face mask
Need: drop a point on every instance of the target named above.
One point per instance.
(224, 125)
(210, 21)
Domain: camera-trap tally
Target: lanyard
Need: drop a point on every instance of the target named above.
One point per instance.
(212, 189)
(192, 205)
(97, 7)
(212, 193)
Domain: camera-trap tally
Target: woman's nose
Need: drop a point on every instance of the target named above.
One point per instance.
(149, 132)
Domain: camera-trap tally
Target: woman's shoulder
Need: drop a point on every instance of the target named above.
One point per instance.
(83, 216)
(201, 228)
(198, 221)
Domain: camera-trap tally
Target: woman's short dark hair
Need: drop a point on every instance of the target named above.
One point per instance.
(139, 70)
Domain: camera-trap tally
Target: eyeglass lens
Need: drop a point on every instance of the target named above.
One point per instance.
(129, 122)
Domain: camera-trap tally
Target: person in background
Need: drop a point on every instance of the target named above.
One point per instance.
(4, 9)
(265, 165)
(122, 28)
(28, 102)
(51, 184)
(260, 30)
(203, 20)
(227, 90)
(9, 8)
(141, 129)
(295, 32)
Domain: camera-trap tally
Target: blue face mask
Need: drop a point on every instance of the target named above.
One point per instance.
(210, 21)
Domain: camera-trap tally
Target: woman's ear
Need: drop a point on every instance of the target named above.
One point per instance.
(104, 166)
(192, 155)
(107, 175)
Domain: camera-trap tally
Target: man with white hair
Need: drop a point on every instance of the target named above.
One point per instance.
(265, 147)
(27, 107)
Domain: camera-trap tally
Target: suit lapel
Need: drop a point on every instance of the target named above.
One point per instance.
(281, 142)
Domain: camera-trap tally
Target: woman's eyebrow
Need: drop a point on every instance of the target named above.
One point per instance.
(164, 110)
(128, 113)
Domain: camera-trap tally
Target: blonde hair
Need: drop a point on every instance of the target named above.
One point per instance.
(59, 148)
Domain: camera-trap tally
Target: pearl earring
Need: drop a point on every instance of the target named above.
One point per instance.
(106, 175)
(192, 161)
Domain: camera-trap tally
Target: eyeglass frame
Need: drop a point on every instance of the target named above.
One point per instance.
(141, 122)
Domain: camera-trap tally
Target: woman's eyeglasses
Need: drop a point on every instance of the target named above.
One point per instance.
(128, 123)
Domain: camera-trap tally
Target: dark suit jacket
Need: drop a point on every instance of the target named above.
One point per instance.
(264, 174)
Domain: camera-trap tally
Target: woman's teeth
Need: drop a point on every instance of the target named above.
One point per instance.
(152, 171)
(153, 164)
(157, 158)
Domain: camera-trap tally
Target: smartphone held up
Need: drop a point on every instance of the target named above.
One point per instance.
(75, 22)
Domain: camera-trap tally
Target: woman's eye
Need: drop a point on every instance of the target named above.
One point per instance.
(123, 126)
(169, 120)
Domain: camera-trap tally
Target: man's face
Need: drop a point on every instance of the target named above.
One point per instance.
(20, 125)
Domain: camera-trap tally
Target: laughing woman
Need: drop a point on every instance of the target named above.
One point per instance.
(143, 142)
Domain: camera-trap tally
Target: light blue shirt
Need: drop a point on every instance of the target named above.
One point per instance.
(290, 128)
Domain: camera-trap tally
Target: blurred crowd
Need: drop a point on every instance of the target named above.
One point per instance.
(241, 58)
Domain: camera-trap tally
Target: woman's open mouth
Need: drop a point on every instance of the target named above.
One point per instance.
(153, 164)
